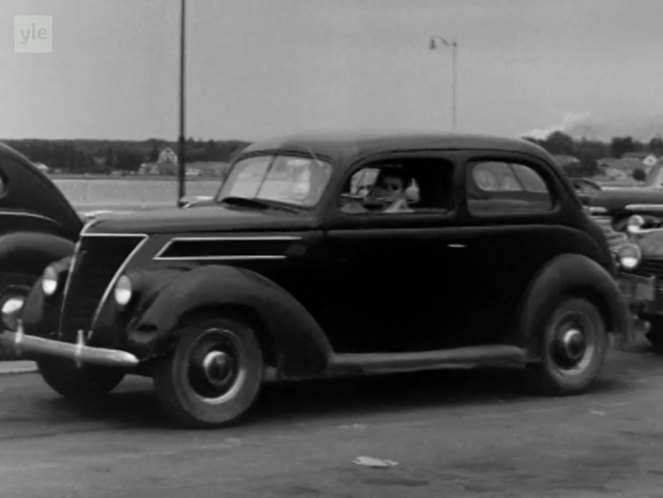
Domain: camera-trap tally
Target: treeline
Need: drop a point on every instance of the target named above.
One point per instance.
(588, 152)
(103, 156)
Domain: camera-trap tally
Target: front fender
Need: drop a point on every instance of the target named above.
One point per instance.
(41, 315)
(31, 252)
(298, 344)
(570, 275)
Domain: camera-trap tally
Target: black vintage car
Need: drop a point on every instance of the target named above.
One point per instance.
(639, 251)
(37, 225)
(328, 255)
(616, 200)
(632, 218)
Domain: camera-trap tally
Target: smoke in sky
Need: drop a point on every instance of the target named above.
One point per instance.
(594, 127)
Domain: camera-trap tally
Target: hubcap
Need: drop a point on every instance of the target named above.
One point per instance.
(571, 345)
(573, 342)
(214, 367)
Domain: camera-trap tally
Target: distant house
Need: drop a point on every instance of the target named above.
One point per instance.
(646, 158)
(167, 155)
(165, 165)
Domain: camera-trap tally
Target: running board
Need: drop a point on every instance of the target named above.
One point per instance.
(486, 355)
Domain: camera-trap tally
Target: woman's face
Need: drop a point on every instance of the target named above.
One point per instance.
(388, 188)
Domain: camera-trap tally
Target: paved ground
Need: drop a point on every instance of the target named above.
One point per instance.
(456, 434)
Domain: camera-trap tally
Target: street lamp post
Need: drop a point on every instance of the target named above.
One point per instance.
(181, 158)
(434, 43)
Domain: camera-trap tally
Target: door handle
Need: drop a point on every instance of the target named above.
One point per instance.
(457, 246)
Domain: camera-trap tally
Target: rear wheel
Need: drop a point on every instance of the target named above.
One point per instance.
(572, 347)
(213, 375)
(89, 381)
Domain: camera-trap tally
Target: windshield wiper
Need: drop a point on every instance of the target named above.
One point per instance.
(253, 202)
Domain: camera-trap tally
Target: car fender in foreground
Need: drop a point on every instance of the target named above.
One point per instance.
(294, 341)
(31, 252)
(570, 275)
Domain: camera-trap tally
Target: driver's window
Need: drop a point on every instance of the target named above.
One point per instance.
(380, 189)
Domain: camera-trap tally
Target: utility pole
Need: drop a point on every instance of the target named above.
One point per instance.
(181, 157)
(454, 46)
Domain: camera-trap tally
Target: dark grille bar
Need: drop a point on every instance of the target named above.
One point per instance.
(97, 261)
(652, 267)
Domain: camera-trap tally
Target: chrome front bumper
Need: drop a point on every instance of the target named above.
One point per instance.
(78, 352)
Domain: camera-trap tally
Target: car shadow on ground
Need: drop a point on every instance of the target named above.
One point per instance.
(308, 401)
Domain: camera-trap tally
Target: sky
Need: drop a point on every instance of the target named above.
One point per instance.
(260, 68)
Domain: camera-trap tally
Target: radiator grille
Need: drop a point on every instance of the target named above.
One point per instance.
(649, 268)
(97, 261)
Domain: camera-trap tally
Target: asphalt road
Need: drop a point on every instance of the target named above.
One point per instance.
(450, 433)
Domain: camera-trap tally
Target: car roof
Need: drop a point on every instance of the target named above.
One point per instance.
(344, 146)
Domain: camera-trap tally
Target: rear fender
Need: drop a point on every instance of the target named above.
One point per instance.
(564, 276)
(293, 341)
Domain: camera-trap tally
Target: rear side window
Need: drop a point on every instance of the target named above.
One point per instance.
(4, 166)
(495, 187)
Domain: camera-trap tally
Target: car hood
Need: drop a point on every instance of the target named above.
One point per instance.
(202, 218)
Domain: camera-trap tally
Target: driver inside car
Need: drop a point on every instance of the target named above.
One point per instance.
(388, 194)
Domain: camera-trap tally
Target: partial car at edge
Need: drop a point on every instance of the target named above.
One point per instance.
(37, 227)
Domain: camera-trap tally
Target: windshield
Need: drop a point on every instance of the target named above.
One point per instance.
(292, 180)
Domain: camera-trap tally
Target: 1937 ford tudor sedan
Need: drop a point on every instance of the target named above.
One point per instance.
(328, 255)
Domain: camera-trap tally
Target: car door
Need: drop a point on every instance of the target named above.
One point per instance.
(512, 210)
(393, 278)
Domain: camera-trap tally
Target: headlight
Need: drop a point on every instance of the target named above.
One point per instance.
(11, 310)
(123, 291)
(629, 256)
(49, 281)
(635, 223)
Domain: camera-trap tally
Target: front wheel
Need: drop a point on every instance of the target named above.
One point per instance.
(573, 343)
(87, 382)
(214, 374)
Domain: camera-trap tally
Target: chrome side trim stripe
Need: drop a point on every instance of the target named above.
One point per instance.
(230, 257)
(25, 214)
(238, 257)
(233, 237)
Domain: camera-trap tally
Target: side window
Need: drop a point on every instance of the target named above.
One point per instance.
(413, 185)
(505, 187)
(3, 178)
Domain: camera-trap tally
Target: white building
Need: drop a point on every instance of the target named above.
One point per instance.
(167, 155)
